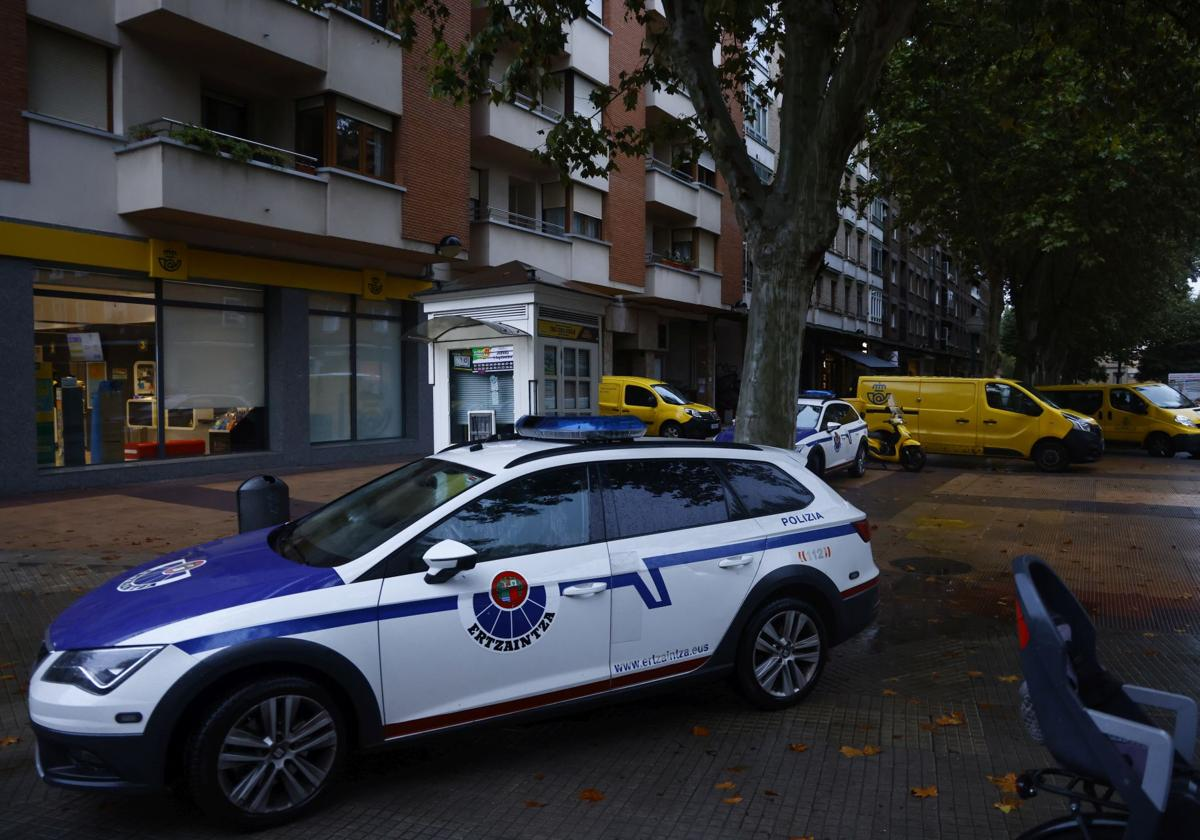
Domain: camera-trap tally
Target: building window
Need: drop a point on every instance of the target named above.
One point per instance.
(133, 369)
(859, 302)
(376, 11)
(355, 369)
(224, 114)
(336, 131)
(554, 207)
(876, 256)
(757, 117)
(69, 78)
(708, 177)
(588, 226)
(764, 174)
(595, 10)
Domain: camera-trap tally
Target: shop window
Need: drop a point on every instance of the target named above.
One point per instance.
(482, 399)
(567, 384)
(355, 369)
(107, 391)
(339, 132)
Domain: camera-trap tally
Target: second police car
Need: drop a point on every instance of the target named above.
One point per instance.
(483, 582)
(830, 434)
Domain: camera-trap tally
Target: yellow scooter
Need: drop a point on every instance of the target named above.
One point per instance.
(896, 446)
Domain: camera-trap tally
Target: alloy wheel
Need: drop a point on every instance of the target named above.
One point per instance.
(787, 653)
(278, 755)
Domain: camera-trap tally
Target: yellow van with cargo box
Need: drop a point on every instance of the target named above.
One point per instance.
(988, 417)
(665, 411)
(1146, 414)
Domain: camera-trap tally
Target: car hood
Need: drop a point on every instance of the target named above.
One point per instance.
(224, 573)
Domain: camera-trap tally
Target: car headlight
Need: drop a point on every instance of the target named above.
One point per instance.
(1081, 424)
(1183, 421)
(691, 412)
(98, 671)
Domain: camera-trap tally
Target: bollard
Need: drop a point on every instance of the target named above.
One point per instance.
(262, 501)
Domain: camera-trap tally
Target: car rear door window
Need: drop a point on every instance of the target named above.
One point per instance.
(1085, 402)
(654, 495)
(764, 489)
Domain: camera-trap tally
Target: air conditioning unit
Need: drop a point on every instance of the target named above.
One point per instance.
(481, 425)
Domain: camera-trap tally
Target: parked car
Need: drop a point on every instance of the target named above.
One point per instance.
(488, 581)
(1151, 415)
(830, 434)
(665, 411)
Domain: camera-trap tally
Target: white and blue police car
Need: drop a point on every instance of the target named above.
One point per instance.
(487, 581)
(830, 434)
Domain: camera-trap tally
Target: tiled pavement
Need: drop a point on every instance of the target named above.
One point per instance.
(1124, 534)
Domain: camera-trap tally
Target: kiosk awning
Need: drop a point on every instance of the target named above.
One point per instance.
(438, 327)
(866, 359)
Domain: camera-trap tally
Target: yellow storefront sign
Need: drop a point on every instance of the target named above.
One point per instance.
(570, 332)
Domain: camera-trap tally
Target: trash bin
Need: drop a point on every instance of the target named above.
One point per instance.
(262, 501)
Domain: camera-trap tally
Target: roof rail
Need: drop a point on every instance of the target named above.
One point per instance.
(608, 446)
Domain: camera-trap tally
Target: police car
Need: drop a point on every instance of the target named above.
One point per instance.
(484, 582)
(830, 434)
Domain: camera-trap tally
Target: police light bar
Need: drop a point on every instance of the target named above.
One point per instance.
(817, 395)
(580, 428)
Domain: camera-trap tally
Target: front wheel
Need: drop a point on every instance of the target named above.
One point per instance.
(858, 467)
(1051, 456)
(267, 753)
(670, 429)
(1159, 445)
(781, 654)
(912, 458)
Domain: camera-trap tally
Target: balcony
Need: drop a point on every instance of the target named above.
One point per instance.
(505, 126)
(677, 105)
(498, 236)
(671, 191)
(181, 173)
(669, 279)
(587, 48)
(278, 39)
(589, 260)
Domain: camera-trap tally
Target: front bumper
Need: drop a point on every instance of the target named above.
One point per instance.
(1084, 447)
(97, 762)
(1189, 443)
(859, 610)
(701, 427)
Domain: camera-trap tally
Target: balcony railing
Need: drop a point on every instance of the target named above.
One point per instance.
(662, 166)
(495, 214)
(524, 100)
(655, 258)
(219, 143)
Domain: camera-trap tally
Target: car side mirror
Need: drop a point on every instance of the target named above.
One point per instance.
(832, 425)
(447, 558)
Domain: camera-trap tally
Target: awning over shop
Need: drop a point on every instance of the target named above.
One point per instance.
(866, 359)
(437, 328)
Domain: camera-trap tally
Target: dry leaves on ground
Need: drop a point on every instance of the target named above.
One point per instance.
(1007, 805)
(798, 747)
(1006, 783)
(7, 677)
(732, 800)
(769, 792)
(887, 692)
(855, 752)
(928, 727)
(924, 792)
(724, 785)
(737, 768)
(1010, 678)
(700, 731)
(9, 740)
(952, 719)
(591, 795)
(974, 674)
(803, 837)
(532, 803)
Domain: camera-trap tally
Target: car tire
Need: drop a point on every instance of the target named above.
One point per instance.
(670, 429)
(775, 663)
(1160, 446)
(295, 767)
(1051, 456)
(912, 458)
(816, 461)
(858, 467)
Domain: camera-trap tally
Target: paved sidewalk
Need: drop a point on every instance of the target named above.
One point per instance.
(1122, 533)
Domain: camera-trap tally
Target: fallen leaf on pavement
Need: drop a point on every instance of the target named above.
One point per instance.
(737, 768)
(797, 747)
(974, 674)
(700, 731)
(805, 837)
(531, 803)
(910, 568)
(928, 727)
(732, 800)
(871, 750)
(952, 719)
(590, 795)
(769, 792)
(887, 692)
(1007, 805)
(7, 677)
(1010, 678)
(724, 785)
(1006, 783)
(850, 752)
(924, 792)
(9, 740)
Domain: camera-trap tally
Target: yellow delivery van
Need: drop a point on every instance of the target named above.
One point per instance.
(989, 417)
(664, 410)
(1146, 414)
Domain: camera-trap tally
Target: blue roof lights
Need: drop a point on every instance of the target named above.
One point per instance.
(817, 395)
(615, 427)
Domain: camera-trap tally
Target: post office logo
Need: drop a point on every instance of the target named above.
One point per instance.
(161, 575)
(511, 615)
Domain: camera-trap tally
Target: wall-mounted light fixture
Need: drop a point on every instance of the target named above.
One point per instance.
(449, 246)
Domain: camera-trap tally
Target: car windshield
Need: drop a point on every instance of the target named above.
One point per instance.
(807, 416)
(1163, 396)
(670, 396)
(363, 519)
(1041, 396)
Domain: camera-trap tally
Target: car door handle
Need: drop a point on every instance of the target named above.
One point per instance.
(734, 562)
(583, 590)
(989, 422)
(962, 420)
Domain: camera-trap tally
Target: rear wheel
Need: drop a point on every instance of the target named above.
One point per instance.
(670, 429)
(816, 461)
(1098, 828)
(267, 753)
(1051, 456)
(912, 458)
(1159, 445)
(781, 654)
(858, 467)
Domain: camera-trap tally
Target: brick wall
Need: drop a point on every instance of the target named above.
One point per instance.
(14, 92)
(625, 214)
(433, 149)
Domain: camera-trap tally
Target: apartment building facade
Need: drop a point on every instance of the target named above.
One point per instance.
(220, 221)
